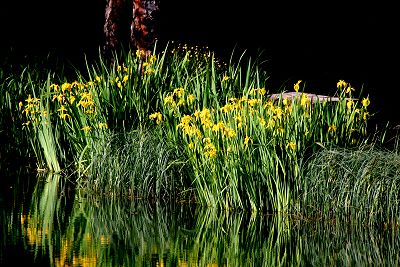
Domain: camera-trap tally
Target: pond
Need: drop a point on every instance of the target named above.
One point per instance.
(46, 221)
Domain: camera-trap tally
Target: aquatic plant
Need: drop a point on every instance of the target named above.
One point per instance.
(242, 145)
(139, 164)
(360, 184)
(246, 152)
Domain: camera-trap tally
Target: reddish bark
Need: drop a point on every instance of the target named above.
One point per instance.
(144, 24)
(131, 23)
(116, 31)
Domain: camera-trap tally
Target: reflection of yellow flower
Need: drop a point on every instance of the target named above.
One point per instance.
(105, 240)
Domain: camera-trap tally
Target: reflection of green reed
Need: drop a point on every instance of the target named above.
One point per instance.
(41, 224)
(14, 192)
(101, 232)
(125, 234)
(242, 240)
(141, 234)
(325, 244)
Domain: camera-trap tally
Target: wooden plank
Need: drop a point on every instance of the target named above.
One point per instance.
(312, 97)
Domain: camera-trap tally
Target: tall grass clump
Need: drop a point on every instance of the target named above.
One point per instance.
(360, 184)
(109, 97)
(20, 86)
(245, 149)
(138, 164)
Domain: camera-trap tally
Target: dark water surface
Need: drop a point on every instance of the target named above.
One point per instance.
(45, 221)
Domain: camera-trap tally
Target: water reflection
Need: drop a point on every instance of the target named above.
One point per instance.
(49, 223)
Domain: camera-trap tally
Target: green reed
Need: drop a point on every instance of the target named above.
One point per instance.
(242, 147)
(110, 97)
(360, 184)
(345, 244)
(41, 216)
(245, 149)
(140, 163)
(17, 82)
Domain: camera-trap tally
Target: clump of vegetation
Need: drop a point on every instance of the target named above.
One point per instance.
(361, 184)
(251, 145)
(139, 164)
(241, 148)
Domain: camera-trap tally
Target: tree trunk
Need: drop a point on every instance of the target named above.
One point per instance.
(116, 29)
(144, 25)
(130, 24)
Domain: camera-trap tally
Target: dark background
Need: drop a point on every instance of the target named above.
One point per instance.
(318, 43)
